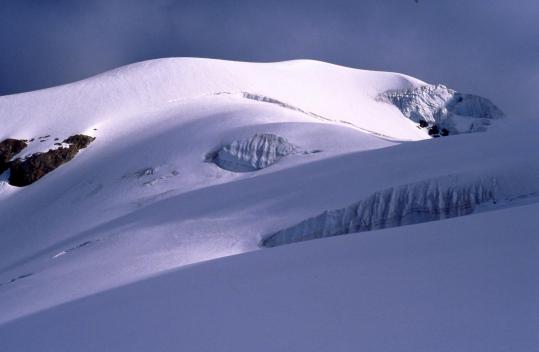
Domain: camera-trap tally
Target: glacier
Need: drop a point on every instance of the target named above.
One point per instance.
(414, 203)
(438, 105)
(141, 205)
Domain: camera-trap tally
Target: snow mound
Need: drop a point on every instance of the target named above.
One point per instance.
(251, 154)
(439, 105)
(415, 203)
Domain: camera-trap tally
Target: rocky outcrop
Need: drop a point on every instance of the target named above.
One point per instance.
(255, 153)
(403, 205)
(24, 172)
(79, 141)
(8, 149)
(438, 105)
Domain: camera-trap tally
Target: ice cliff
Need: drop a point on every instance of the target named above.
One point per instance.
(402, 205)
(439, 105)
(251, 154)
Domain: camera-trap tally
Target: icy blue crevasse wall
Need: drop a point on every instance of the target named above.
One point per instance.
(402, 205)
(254, 153)
(437, 104)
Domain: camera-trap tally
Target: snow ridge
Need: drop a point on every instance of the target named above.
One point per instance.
(270, 100)
(396, 206)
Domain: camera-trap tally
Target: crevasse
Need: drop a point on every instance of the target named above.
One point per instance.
(402, 205)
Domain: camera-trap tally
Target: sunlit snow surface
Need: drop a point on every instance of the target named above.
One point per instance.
(142, 200)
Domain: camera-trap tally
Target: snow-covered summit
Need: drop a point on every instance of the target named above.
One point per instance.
(309, 138)
(121, 96)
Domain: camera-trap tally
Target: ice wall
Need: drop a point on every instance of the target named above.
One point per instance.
(254, 153)
(402, 205)
(437, 104)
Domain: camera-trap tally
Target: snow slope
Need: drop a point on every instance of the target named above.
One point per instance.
(464, 284)
(143, 199)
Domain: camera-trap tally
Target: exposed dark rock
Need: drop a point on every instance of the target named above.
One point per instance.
(31, 169)
(79, 141)
(8, 149)
(434, 131)
(27, 171)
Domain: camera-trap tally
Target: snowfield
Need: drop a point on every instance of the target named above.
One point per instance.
(465, 284)
(197, 159)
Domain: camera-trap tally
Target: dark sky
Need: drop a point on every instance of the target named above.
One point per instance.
(487, 47)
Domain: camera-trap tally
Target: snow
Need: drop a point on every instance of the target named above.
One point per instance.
(427, 200)
(114, 235)
(467, 283)
(126, 94)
